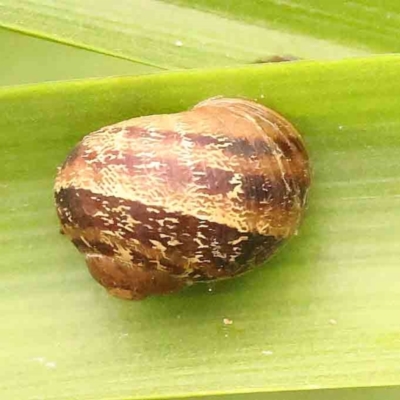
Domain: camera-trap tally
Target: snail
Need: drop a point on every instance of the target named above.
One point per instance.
(277, 59)
(159, 202)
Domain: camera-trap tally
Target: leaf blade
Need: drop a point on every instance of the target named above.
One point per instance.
(329, 272)
(359, 23)
(161, 34)
(23, 55)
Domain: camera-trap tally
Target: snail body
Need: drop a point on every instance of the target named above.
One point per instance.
(159, 202)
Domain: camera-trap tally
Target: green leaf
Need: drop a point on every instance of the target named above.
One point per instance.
(366, 23)
(163, 35)
(323, 313)
(27, 59)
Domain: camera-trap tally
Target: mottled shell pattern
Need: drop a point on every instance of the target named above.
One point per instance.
(159, 202)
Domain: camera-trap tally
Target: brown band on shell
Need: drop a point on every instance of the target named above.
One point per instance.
(151, 237)
(238, 156)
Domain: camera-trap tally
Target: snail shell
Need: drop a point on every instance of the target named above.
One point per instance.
(162, 201)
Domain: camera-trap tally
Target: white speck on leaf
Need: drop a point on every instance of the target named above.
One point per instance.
(122, 336)
(333, 321)
(227, 321)
(267, 353)
(42, 360)
(178, 43)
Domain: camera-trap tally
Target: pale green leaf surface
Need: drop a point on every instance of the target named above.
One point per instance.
(326, 306)
(367, 23)
(161, 34)
(28, 59)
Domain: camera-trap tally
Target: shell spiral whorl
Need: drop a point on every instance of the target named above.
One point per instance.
(162, 201)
